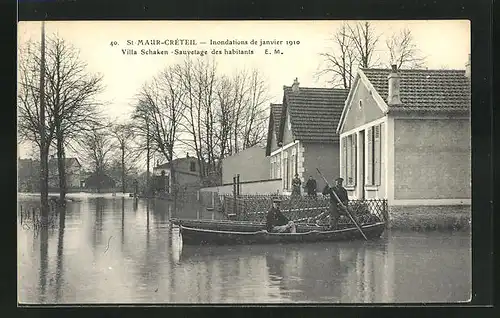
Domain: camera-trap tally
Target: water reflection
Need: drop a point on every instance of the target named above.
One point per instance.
(60, 253)
(44, 246)
(150, 264)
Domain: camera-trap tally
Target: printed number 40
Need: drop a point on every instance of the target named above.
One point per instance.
(113, 43)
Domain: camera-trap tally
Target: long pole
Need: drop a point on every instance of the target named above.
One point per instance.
(343, 206)
(44, 191)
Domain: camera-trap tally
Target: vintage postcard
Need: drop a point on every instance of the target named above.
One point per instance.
(205, 162)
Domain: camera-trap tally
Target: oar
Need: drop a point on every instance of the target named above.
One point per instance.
(343, 206)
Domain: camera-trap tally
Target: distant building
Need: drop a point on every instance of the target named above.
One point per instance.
(186, 171)
(405, 137)
(28, 175)
(72, 169)
(100, 182)
(301, 134)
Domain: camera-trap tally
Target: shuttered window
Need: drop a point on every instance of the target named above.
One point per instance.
(369, 156)
(349, 151)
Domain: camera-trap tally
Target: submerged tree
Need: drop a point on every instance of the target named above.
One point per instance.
(70, 98)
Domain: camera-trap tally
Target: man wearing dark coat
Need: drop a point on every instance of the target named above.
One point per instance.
(276, 221)
(311, 187)
(335, 207)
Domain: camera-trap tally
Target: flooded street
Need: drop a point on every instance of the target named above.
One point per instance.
(120, 250)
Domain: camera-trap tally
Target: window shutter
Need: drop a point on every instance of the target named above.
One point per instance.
(344, 157)
(354, 155)
(369, 157)
(377, 152)
(382, 151)
(349, 167)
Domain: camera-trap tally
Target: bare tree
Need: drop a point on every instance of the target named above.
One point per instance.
(365, 39)
(403, 51)
(341, 61)
(34, 123)
(124, 134)
(97, 149)
(159, 110)
(71, 99)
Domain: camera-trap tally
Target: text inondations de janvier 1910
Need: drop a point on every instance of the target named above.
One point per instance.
(195, 47)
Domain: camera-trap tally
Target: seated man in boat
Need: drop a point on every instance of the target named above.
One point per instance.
(336, 208)
(276, 222)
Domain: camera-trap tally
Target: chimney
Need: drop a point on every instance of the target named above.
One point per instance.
(295, 85)
(467, 68)
(393, 98)
(187, 154)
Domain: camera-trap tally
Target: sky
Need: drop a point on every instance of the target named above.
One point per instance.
(445, 43)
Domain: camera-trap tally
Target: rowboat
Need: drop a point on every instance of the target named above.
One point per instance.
(253, 226)
(199, 236)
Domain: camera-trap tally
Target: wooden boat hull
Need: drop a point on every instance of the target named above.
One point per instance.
(197, 236)
(242, 226)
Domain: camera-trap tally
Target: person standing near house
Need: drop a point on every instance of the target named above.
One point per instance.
(311, 187)
(276, 222)
(335, 207)
(296, 185)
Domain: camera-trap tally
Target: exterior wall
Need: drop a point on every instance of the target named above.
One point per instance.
(187, 179)
(251, 164)
(274, 142)
(260, 187)
(429, 217)
(326, 157)
(287, 132)
(369, 111)
(432, 159)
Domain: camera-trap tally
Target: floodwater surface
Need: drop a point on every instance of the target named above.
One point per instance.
(122, 250)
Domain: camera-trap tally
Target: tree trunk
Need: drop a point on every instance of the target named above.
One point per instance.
(61, 158)
(123, 169)
(44, 143)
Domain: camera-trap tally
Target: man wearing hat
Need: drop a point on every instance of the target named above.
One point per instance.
(335, 208)
(276, 221)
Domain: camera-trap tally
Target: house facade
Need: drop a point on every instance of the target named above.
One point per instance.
(186, 171)
(405, 137)
(72, 169)
(302, 135)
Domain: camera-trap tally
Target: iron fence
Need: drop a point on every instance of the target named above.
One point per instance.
(301, 209)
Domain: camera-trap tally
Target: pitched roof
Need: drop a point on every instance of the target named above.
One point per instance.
(314, 113)
(434, 90)
(167, 164)
(276, 116)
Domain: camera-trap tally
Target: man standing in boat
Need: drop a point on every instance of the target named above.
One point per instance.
(336, 208)
(276, 222)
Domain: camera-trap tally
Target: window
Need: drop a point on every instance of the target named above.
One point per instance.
(360, 104)
(349, 154)
(374, 154)
(192, 166)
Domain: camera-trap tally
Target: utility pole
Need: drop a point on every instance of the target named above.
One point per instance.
(147, 157)
(44, 175)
